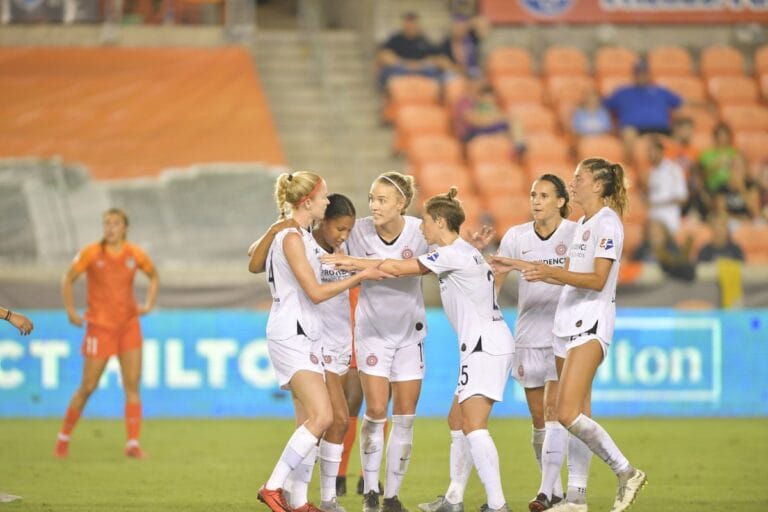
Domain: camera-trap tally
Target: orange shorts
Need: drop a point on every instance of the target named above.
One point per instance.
(101, 342)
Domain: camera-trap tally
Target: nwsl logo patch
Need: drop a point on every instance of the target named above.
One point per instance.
(606, 243)
(432, 256)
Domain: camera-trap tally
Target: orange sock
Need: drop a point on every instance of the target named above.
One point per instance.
(349, 440)
(70, 420)
(133, 420)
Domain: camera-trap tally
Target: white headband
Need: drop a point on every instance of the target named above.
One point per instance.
(382, 177)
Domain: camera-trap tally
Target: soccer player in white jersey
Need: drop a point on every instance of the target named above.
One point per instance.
(390, 327)
(295, 326)
(486, 345)
(586, 310)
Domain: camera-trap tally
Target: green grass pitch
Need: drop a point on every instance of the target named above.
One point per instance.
(218, 465)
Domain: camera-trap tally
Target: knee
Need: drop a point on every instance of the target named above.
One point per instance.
(340, 422)
(567, 417)
(376, 411)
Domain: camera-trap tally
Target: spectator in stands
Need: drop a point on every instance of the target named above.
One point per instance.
(591, 117)
(721, 246)
(666, 187)
(739, 197)
(460, 50)
(659, 247)
(679, 148)
(477, 113)
(642, 108)
(717, 160)
(408, 52)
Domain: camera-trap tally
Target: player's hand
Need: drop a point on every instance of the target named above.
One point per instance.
(375, 274)
(341, 262)
(22, 323)
(74, 318)
(284, 224)
(480, 240)
(143, 310)
(537, 272)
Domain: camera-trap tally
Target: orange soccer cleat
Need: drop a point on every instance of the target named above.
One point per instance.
(134, 451)
(62, 449)
(274, 499)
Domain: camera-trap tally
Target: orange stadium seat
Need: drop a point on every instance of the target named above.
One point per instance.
(763, 82)
(453, 89)
(614, 61)
(509, 60)
(414, 120)
(425, 149)
(688, 87)
(564, 60)
(534, 118)
(638, 209)
(508, 211)
(745, 117)
(701, 140)
(609, 83)
(754, 240)
(601, 146)
(634, 233)
(703, 118)
(493, 178)
(518, 89)
(546, 145)
(733, 89)
(720, 61)
(438, 178)
(489, 148)
(754, 145)
(669, 60)
(571, 90)
(410, 90)
(536, 166)
(761, 60)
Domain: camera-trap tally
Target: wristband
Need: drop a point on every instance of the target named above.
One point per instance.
(8, 314)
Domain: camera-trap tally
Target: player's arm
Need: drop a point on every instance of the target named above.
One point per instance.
(259, 249)
(397, 268)
(594, 280)
(293, 247)
(19, 321)
(154, 286)
(66, 294)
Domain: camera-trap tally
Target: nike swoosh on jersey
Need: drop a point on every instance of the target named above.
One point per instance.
(526, 252)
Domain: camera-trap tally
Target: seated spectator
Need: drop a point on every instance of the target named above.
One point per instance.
(591, 117)
(477, 113)
(739, 197)
(666, 187)
(717, 160)
(721, 246)
(679, 148)
(407, 52)
(642, 108)
(460, 51)
(659, 247)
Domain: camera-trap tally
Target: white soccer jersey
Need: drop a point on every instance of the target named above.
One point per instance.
(468, 292)
(292, 311)
(578, 309)
(334, 312)
(392, 309)
(537, 302)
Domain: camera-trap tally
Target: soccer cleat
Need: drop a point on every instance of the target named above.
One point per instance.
(371, 502)
(135, 452)
(564, 506)
(62, 449)
(555, 500)
(441, 505)
(274, 499)
(331, 506)
(392, 504)
(540, 503)
(485, 508)
(341, 485)
(630, 484)
(8, 498)
(307, 507)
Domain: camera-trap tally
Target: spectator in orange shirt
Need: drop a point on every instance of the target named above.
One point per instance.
(112, 322)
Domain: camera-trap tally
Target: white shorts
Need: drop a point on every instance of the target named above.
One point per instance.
(396, 364)
(337, 360)
(483, 374)
(293, 354)
(562, 344)
(533, 366)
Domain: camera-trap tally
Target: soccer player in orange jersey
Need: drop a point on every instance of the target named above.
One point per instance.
(112, 322)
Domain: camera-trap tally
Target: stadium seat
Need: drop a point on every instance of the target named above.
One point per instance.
(412, 120)
(410, 90)
(753, 239)
(424, 149)
(489, 148)
(562, 89)
(690, 88)
(564, 60)
(669, 60)
(508, 211)
(518, 89)
(546, 145)
(438, 178)
(745, 117)
(761, 60)
(492, 178)
(601, 146)
(729, 90)
(763, 83)
(754, 145)
(701, 140)
(614, 61)
(634, 233)
(721, 61)
(453, 89)
(536, 166)
(608, 84)
(703, 118)
(509, 60)
(638, 209)
(534, 118)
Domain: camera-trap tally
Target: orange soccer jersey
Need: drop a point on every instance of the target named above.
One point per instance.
(110, 283)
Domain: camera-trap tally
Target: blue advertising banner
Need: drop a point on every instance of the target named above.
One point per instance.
(214, 363)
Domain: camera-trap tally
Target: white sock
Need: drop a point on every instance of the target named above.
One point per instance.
(299, 445)
(330, 458)
(486, 460)
(371, 450)
(552, 457)
(461, 467)
(398, 452)
(598, 440)
(579, 457)
(537, 441)
(301, 476)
